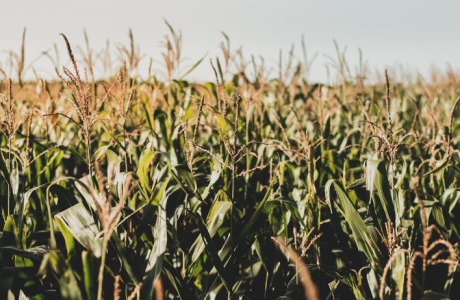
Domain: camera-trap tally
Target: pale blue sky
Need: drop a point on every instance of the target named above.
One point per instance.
(416, 34)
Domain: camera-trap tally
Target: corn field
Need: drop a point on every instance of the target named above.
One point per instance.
(253, 185)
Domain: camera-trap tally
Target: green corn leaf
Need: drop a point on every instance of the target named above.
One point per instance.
(211, 249)
(107, 130)
(80, 224)
(155, 255)
(99, 153)
(90, 274)
(127, 261)
(377, 180)
(193, 67)
(35, 253)
(363, 239)
(255, 216)
(68, 285)
(215, 219)
(143, 168)
(398, 271)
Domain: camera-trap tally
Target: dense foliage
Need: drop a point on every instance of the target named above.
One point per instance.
(244, 187)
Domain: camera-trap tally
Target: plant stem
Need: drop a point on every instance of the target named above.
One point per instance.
(50, 217)
(231, 227)
(247, 158)
(88, 154)
(126, 147)
(100, 277)
(9, 170)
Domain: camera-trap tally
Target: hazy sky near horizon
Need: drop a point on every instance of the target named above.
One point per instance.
(414, 34)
